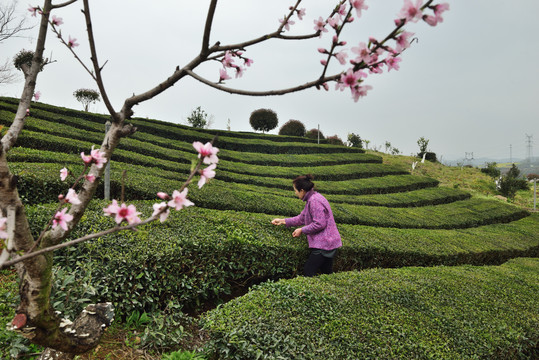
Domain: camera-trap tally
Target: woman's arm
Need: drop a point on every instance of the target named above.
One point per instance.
(319, 214)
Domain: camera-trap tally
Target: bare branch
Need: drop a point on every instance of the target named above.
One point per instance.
(207, 28)
(307, 85)
(57, 6)
(9, 27)
(97, 69)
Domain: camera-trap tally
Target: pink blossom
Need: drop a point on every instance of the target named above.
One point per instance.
(431, 20)
(57, 21)
(301, 13)
(72, 42)
(163, 195)
(359, 5)
(333, 22)
(95, 156)
(324, 62)
(3, 228)
(61, 218)
(247, 62)
(325, 86)
(72, 197)
(37, 95)
(123, 213)
(363, 52)
(207, 151)
(228, 60)
(63, 174)
(287, 23)
(127, 213)
(392, 62)
(403, 41)
(86, 158)
(162, 209)
(223, 75)
(33, 10)
(439, 9)
(376, 69)
(179, 200)
(206, 174)
(342, 10)
(319, 25)
(411, 12)
(341, 56)
(350, 78)
(112, 209)
(322, 51)
(360, 91)
(90, 177)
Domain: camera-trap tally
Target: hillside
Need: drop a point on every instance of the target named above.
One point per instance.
(388, 217)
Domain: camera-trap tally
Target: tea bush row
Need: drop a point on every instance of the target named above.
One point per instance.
(463, 312)
(200, 255)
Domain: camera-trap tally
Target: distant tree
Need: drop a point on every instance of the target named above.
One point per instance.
(388, 146)
(423, 143)
(491, 169)
(315, 134)
(292, 128)
(263, 120)
(334, 140)
(395, 151)
(198, 118)
(367, 142)
(355, 141)
(511, 182)
(228, 125)
(86, 97)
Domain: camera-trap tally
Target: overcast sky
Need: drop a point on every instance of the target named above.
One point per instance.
(470, 84)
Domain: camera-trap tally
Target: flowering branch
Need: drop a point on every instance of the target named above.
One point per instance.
(307, 85)
(57, 6)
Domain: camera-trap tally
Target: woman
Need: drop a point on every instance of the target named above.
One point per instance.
(319, 226)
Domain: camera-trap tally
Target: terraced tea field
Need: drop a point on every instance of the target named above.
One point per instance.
(205, 254)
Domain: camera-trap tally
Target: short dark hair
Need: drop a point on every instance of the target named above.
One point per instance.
(303, 182)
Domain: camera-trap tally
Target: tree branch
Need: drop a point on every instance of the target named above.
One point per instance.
(307, 85)
(207, 28)
(97, 69)
(57, 6)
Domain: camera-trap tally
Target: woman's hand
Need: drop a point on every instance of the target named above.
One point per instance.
(278, 222)
(297, 232)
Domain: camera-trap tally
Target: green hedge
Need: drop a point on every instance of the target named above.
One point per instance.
(201, 255)
(422, 197)
(465, 312)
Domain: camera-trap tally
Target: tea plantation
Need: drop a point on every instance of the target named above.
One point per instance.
(425, 272)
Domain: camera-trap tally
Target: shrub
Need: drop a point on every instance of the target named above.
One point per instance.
(24, 58)
(491, 169)
(334, 140)
(198, 118)
(263, 120)
(532, 177)
(355, 141)
(510, 183)
(292, 128)
(430, 156)
(314, 134)
(86, 97)
(462, 312)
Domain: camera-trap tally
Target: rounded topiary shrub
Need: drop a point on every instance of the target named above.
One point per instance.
(334, 140)
(292, 128)
(313, 134)
(430, 156)
(263, 120)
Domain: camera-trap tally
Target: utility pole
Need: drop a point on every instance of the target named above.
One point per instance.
(107, 167)
(529, 149)
(511, 153)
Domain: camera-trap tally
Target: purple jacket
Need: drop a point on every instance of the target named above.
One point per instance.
(320, 228)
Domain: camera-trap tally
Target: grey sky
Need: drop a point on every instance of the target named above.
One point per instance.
(469, 84)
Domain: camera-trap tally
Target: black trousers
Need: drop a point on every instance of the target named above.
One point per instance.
(317, 262)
